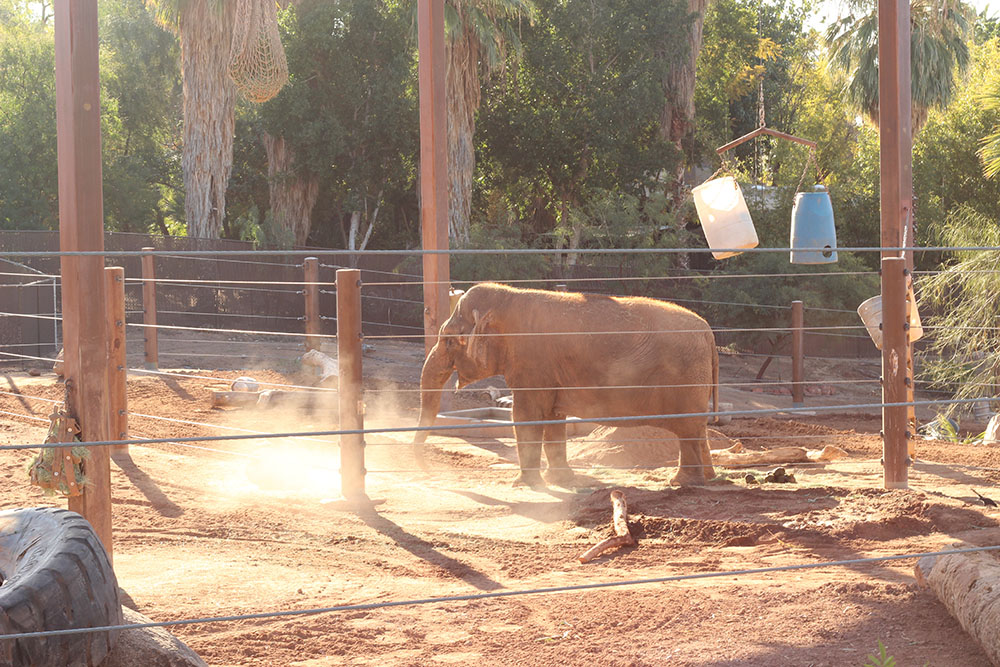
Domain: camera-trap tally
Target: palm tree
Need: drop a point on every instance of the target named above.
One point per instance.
(479, 35)
(205, 28)
(939, 34)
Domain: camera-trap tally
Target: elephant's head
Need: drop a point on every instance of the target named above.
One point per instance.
(467, 343)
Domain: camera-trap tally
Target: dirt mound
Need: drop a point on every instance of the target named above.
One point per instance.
(640, 446)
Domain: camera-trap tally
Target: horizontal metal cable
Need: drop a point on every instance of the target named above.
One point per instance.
(263, 317)
(209, 281)
(225, 341)
(383, 324)
(175, 255)
(179, 254)
(749, 383)
(227, 380)
(235, 288)
(30, 275)
(219, 426)
(29, 396)
(514, 281)
(719, 330)
(387, 273)
(23, 416)
(219, 330)
(14, 355)
(368, 606)
(387, 298)
(540, 422)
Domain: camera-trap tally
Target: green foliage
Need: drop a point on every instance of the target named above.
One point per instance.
(938, 49)
(27, 125)
(349, 111)
(140, 92)
(947, 172)
(963, 300)
(883, 659)
(580, 113)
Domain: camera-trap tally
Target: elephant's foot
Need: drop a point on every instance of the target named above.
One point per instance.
(688, 477)
(529, 478)
(560, 477)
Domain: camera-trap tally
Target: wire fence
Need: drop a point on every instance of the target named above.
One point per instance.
(250, 294)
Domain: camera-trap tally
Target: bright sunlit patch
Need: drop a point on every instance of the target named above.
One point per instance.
(286, 468)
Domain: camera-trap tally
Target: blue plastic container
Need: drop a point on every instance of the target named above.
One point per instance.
(812, 227)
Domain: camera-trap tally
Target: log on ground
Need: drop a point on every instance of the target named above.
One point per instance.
(969, 586)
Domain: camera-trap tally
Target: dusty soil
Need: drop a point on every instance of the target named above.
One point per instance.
(230, 528)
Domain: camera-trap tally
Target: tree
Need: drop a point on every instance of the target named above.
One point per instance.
(480, 34)
(580, 114)
(205, 28)
(939, 35)
(347, 122)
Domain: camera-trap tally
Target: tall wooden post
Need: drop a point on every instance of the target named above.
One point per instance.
(798, 356)
(313, 323)
(433, 165)
(149, 310)
(352, 408)
(117, 366)
(81, 228)
(896, 168)
(895, 341)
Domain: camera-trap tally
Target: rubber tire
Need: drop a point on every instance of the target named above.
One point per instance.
(55, 575)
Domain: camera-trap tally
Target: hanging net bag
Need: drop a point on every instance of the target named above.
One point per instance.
(257, 62)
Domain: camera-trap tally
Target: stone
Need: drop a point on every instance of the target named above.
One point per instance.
(149, 647)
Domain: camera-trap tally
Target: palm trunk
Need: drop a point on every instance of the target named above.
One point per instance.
(463, 88)
(209, 103)
(293, 195)
(678, 88)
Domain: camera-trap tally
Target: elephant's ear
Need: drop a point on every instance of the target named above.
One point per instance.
(479, 338)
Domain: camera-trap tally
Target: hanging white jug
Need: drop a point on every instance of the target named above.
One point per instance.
(870, 311)
(724, 216)
(812, 227)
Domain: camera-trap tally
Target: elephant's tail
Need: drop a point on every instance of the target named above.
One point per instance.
(715, 381)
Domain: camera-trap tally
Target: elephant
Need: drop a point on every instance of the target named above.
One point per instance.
(584, 355)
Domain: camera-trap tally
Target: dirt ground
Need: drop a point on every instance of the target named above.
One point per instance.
(231, 528)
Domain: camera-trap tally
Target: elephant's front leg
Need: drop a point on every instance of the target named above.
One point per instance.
(558, 471)
(529, 443)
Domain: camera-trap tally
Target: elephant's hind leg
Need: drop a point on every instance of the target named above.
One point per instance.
(558, 472)
(694, 466)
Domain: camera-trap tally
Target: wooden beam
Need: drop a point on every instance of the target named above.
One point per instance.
(798, 356)
(433, 165)
(81, 228)
(117, 364)
(313, 323)
(896, 169)
(352, 411)
(764, 130)
(895, 340)
(149, 335)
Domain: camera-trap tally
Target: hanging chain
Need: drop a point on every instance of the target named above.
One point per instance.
(811, 158)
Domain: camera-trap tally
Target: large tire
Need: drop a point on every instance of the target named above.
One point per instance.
(54, 575)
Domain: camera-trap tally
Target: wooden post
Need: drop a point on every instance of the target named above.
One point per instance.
(149, 310)
(433, 165)
(895, 341)
(117, 366)
(314, 325)
(81, 228)
(352, 408)
(798, 356)
(896, 155)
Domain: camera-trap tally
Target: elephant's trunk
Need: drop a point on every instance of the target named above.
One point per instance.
(437, 369)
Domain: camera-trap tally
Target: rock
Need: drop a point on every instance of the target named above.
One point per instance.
(58, 367)
(34, 372)
(149, 647)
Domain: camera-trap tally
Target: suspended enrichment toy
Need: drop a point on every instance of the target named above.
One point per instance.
(728, 226)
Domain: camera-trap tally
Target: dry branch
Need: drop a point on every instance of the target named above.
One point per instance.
(623, 537)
